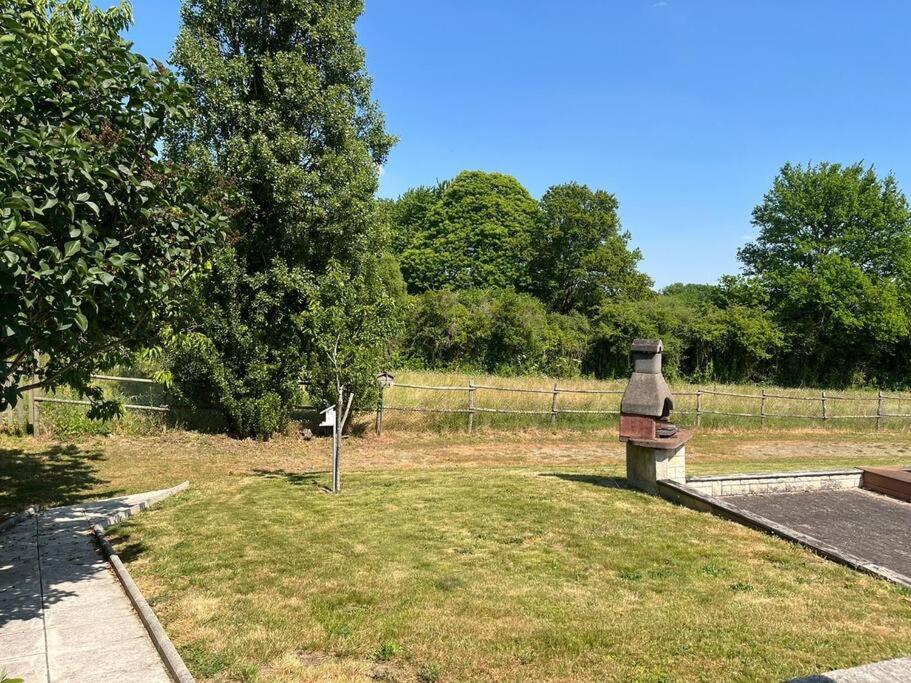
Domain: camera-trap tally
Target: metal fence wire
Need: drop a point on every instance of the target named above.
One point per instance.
(469, 402)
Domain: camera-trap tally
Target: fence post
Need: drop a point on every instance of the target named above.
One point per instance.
(32, 421)
(553, 407)
(879, 410)
(34, 412)
(471, 406)
(21, 420)
(825, 408)
(379, 411)
(762, 410)
(699, 407)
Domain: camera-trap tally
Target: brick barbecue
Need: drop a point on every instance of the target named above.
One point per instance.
(647, 403)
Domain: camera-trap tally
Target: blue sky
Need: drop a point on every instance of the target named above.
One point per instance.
(685, 109)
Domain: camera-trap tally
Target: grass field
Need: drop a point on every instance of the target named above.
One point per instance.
(448, 558)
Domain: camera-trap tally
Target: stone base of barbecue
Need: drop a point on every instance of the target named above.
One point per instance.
(647, 464)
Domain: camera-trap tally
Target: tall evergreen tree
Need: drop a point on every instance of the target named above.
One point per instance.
(286, 128)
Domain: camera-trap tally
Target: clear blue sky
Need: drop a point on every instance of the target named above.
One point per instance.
(685, 109)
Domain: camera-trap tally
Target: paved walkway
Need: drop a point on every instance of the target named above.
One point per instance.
(63, 613)
(891, 671)
(867, 525)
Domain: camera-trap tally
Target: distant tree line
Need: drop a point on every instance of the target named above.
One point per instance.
(489, 279)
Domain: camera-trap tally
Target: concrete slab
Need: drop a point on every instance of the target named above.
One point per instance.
(66, 639)
(85, 613)
(32, 668)
(63, 614)
(22, 644)
(867, 525)
(890, 671)
(134, 659)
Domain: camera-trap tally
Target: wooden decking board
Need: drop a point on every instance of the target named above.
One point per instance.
(895, 483)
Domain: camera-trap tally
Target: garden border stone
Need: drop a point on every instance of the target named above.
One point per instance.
(166, 650)
(16, 519)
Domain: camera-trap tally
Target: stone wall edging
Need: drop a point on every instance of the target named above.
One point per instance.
(177, 668)
(776, 482)
(17, 519)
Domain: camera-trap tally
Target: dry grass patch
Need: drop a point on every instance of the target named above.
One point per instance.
(45, 472)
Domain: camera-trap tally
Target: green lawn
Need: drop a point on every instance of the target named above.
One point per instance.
(435, 565)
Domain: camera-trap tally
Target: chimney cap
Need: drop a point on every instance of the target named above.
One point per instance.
(650, 346)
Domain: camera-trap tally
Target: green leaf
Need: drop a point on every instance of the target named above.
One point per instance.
(49, 204)
(26, 242)
(81, 321)
(33, 226)
(71, 248)
(17, 203)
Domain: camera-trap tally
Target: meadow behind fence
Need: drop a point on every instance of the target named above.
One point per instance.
(470, 402)
(460, 402)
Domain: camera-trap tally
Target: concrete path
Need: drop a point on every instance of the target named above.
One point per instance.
(891, 671)
(63, 613)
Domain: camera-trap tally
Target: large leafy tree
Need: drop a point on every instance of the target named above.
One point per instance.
(476, 235)
(407, 216)
(284, 121)
(581, 255)
(834, 257)
(96, 233)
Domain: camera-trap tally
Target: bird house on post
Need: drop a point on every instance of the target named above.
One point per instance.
(385, 380)
(329, 417)
(330, 420)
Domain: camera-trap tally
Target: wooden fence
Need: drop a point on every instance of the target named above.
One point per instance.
(28, 412)
(472, 409)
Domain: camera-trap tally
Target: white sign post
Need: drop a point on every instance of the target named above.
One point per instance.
(330, 420)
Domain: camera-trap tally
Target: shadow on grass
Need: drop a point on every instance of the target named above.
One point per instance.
(593, 479)
(121, 538)
(315, 479)
(58, 475)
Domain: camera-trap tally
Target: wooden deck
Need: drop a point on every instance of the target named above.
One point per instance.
(895, 483)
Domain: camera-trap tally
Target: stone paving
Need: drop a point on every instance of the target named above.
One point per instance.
(891, 671)
(63, 613)
(869, 526)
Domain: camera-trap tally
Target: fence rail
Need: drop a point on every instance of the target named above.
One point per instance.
(472, 409)
(27, 413)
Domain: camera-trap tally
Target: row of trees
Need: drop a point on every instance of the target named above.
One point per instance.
(484, 230)
(824, 298)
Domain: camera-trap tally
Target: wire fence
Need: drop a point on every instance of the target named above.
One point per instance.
(467, 404)
(699, 405)
(27, 415)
